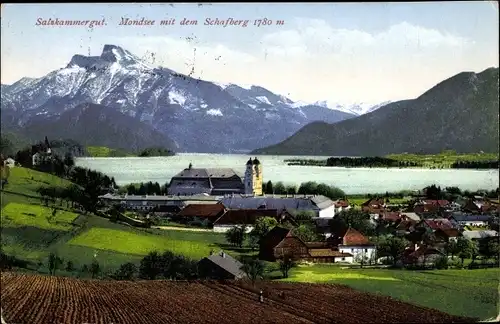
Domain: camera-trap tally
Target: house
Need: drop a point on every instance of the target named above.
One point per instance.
(421, 254)
(405, 226)
(281, 242)
(476, 206)
(148, 202)
(373, 206)
(437, 223)
(446, 235)
(390, 217)
(412, 216)
(208, 213)
(9, 162)
(342, 205)
(321, 252)
(351, 241)
(220, 266)
(165, 210)
(248, 217)
(430, 206)
(480, 235)
(463, 219)
(41, 152)
(320, 205)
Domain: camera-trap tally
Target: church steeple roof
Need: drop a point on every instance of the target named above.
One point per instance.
(256, 162)
(249, 162)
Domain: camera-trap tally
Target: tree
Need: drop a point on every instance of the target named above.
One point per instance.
(269, 187)
(151, 266)
(433, 192)
(53, 263)
(95, 268)
(391, 246)
(279, 188)
(126, 271)
(356, 219)
(254, 269)
(493, 250)
(236, 235)
(69, 266)
(305, 232)
(465, 248)
(286, 263)
(451, 248)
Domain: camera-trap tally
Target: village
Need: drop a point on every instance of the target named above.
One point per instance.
(313, 228)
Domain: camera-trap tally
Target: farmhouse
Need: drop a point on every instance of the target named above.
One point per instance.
(220, 266)
(351, 241)
(349, 246)
(373, 206)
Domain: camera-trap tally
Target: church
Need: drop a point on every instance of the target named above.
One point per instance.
(218, 182)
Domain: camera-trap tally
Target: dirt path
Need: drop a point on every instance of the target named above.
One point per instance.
(175, 228)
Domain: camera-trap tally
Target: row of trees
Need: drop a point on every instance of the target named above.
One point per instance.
(144, 188)
(476, 165)
(156, 151)
(305, 188)
(451, 193)
(371, 162)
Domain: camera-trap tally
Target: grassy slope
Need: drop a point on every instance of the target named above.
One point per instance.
(460, 292)
(29, 232)
(103, 151)
(443, 160)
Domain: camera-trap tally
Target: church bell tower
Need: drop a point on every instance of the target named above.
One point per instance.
(253, 177)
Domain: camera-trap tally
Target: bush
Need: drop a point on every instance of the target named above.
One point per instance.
(442, 263)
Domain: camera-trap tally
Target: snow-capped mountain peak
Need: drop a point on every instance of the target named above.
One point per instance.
(357, 109)
(201, 116)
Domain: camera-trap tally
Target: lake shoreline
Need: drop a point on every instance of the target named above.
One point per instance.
(350, 180)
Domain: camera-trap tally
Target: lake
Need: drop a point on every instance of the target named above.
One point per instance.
(351, 180)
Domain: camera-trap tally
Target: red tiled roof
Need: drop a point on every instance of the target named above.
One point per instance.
(341, 203)
(440, 202)
(437, 223)
(448, 232)
(353, 237)
(406, 224)
(245, 216)
(390, 216)
(202, 210)
(373, 202)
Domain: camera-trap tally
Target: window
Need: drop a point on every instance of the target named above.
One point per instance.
(343, 259)
(366, 250)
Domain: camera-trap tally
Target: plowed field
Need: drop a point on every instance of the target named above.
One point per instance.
(37, 299)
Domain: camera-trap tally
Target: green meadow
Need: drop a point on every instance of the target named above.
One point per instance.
(103, 151)
(473, 293)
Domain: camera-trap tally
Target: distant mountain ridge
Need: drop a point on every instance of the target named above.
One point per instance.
(199, 116)
(460, 113)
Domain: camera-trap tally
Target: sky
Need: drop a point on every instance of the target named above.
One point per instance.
(340, 52)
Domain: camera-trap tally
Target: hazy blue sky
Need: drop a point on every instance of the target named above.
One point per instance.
(354, 52)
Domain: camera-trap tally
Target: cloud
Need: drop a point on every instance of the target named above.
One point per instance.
(317, 38)
(187, 54)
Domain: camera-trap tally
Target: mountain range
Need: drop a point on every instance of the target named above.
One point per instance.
(460, 113)
(118, 100)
